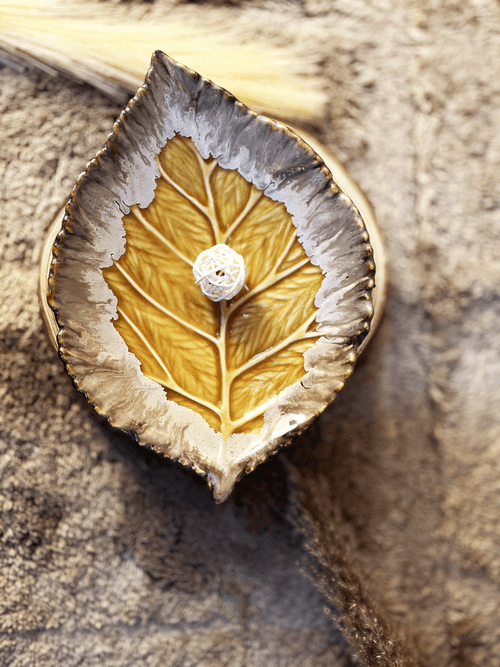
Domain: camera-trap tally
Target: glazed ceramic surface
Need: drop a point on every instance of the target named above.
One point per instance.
(218, 386)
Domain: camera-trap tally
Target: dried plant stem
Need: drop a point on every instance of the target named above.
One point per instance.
(103, 46)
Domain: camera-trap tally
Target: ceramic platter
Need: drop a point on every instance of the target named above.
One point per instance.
(217, 385)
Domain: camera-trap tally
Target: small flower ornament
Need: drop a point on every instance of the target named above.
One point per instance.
(220, 272)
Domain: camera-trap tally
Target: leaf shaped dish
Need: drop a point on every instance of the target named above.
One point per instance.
(218, 386)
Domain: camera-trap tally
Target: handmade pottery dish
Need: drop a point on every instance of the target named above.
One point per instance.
(221, 368)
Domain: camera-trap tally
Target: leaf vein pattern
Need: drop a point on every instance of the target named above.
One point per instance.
(206, 170)
(170, 383)
(137, 213)
(206, 210)
(298, 335)
(255, 196)
(272, 279)
(164, 310)
(279, 306)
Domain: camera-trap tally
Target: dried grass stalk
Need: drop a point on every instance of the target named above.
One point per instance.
(103, 45)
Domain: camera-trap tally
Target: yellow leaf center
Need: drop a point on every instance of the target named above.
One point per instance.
(225, 360)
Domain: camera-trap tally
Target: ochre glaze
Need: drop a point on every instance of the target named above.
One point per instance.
(224, 360)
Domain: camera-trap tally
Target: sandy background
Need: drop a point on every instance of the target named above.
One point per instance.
(390, 502)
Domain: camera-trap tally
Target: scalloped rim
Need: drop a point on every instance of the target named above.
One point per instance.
(173, 100)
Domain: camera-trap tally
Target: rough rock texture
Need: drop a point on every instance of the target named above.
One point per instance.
(110, 556)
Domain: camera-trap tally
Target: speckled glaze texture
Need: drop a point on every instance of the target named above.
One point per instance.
(175, 100)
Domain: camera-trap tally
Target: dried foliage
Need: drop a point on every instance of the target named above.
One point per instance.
(109, 47)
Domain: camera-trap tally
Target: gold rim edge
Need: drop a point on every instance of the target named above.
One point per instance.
(351, 188)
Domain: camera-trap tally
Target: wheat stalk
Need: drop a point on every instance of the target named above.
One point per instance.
(100, 44)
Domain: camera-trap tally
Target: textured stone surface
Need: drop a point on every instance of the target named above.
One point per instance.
(109, 556)
(412, 442)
